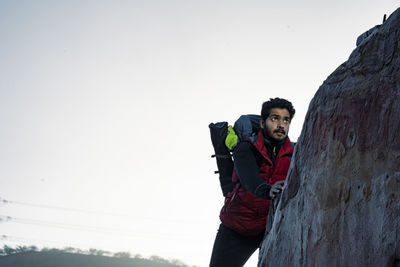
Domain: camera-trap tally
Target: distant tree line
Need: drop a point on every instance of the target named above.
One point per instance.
(7, 250)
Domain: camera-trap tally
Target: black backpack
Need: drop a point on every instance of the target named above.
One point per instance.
(245, 126)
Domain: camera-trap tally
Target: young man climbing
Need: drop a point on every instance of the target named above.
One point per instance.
(261, 163)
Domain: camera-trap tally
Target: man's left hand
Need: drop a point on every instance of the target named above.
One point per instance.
(276, 189)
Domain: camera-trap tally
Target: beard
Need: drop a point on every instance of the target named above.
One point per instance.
(269, 135)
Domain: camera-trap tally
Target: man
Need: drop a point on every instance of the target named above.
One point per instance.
(261, 164)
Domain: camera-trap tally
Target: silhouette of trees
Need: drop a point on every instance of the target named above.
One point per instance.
(158, 259)
(122, 255)
(138, 256)
(98, 252)
(7, 250)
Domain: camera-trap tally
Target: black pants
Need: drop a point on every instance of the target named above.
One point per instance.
(232, 249)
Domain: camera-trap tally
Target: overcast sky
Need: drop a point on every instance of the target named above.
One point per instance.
(105, 106)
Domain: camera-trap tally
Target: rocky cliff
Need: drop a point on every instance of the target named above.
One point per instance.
(341, 204)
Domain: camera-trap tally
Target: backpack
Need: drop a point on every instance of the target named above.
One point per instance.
(224, 138)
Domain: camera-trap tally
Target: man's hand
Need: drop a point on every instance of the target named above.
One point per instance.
(276, 189)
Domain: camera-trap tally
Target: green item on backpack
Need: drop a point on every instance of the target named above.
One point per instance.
(231, 138)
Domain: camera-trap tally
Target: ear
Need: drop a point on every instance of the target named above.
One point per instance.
(262, 123)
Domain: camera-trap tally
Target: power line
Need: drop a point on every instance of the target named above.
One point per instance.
(16, 239)
(6, 202)
(6, 218)
(93, 229)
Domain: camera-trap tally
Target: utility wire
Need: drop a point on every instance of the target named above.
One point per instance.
(93, 229)
(6, 202)
(16, 239)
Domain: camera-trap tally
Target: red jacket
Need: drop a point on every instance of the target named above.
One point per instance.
(244, 212)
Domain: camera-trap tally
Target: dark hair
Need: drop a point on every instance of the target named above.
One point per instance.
(276, 103)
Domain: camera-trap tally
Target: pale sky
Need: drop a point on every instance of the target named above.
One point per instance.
(105, 106)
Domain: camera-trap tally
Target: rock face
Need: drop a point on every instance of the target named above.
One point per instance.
(341, 204)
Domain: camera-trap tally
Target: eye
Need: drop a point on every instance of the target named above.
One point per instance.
(274, 118)
(287, 121)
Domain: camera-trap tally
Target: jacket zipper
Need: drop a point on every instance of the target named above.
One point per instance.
(232, 198)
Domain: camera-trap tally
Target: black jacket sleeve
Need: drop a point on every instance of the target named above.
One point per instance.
(247, 169)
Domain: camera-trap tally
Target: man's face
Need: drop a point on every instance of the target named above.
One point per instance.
(276, 126)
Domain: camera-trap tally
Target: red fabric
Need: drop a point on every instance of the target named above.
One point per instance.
(246, 213)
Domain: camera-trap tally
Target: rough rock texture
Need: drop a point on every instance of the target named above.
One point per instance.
(341, 205)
